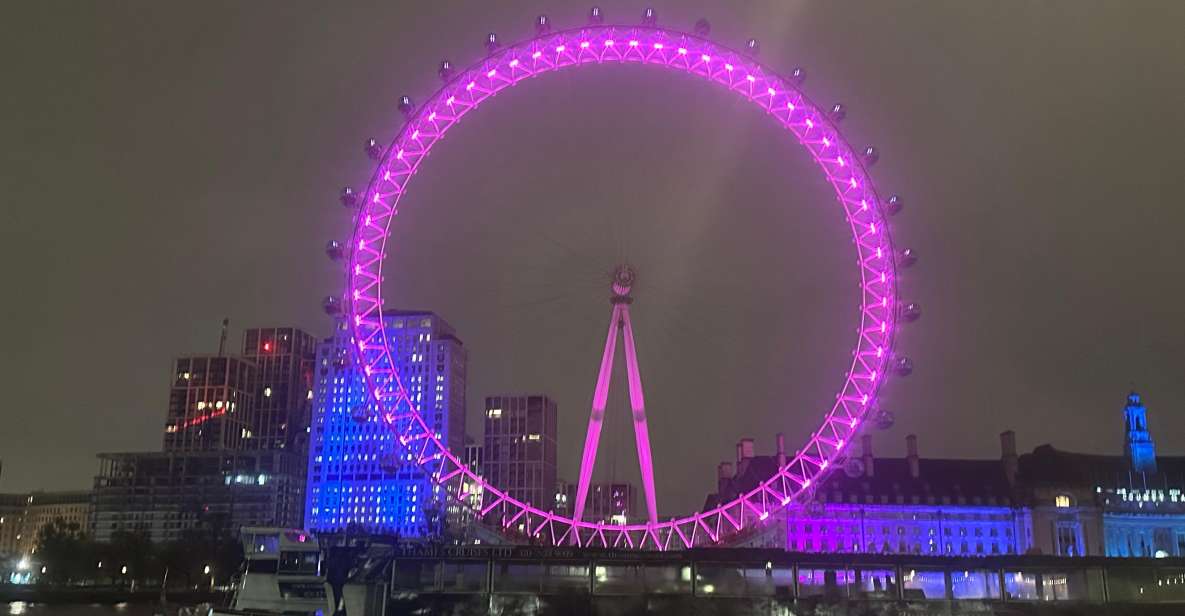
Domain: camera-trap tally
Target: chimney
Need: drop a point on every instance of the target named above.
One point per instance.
(1008, 455)
(744, 455)
(781, 438)
(723, 476)
(911, 454)
(866, 457)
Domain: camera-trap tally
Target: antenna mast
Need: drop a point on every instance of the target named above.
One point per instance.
(222, 341)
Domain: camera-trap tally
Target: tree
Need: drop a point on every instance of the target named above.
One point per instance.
(131, 550)
(59, 546)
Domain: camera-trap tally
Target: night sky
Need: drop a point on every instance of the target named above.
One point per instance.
(166, 165)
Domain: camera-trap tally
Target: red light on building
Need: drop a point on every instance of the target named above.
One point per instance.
(267, 347)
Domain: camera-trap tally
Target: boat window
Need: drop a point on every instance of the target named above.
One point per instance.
(262, 543)
(261, 566)
(299, 562)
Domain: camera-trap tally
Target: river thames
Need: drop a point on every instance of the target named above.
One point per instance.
(26, 608)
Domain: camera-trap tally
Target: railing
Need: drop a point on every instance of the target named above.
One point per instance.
(775, 574)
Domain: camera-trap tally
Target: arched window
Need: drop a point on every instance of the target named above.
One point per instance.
(1062, 500)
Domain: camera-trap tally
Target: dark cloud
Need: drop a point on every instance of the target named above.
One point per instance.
(168, 164)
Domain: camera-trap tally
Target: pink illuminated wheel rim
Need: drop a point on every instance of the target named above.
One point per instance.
(781, 98)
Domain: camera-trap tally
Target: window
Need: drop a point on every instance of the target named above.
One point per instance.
(1067, 540)
(1061, 500)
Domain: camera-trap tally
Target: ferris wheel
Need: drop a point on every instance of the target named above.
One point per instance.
(693, 53)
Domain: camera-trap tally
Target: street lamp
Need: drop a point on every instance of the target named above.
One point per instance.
(123, 570)
(210, 572)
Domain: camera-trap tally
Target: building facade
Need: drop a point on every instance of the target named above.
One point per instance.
(520, 447)
(612, 502)
(233, 448)
(283, 387)
(1045, 502)
(22, 516)
(357, 476)
(12, 514)
(211, 402)
(165, 494)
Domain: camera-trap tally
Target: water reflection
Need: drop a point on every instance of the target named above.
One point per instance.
(26, 608)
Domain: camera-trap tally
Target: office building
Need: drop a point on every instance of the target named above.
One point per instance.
(357, 475)
(520, 447)
(232, 449)
(164, 494)
(612, 502)
(211, 402)
(283, 388)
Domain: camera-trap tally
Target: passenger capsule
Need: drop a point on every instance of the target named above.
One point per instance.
(492, 43)
(595, 16)
(406, 106)
(334, 250)
(373, 149)
(894, 205)
(884, 419)
(391, 463)
(907, 257)
(649, 17)
(752, 47)
(360, 414)
(871, 155)
(542, 25)
(446, 70)
(838, 112)
(703, 27)
(903, 366)
(332, 305)
(798, 75)
(348, 197)
(911, 312)
(853, 467)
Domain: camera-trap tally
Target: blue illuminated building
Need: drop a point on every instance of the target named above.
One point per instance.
(1139, 446)
(910, 505)
(1044, 502)
(358, 478)
(1131, 505)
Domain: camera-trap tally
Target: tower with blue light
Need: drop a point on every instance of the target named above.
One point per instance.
(1139, 448)
(358, 476)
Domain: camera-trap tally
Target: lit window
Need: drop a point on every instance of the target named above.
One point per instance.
(1061, 500)
(494, 413)
(267, 392)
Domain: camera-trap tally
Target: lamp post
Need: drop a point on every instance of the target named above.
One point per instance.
(210, 572)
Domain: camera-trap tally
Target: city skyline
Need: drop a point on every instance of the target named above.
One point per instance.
(1062, 338)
